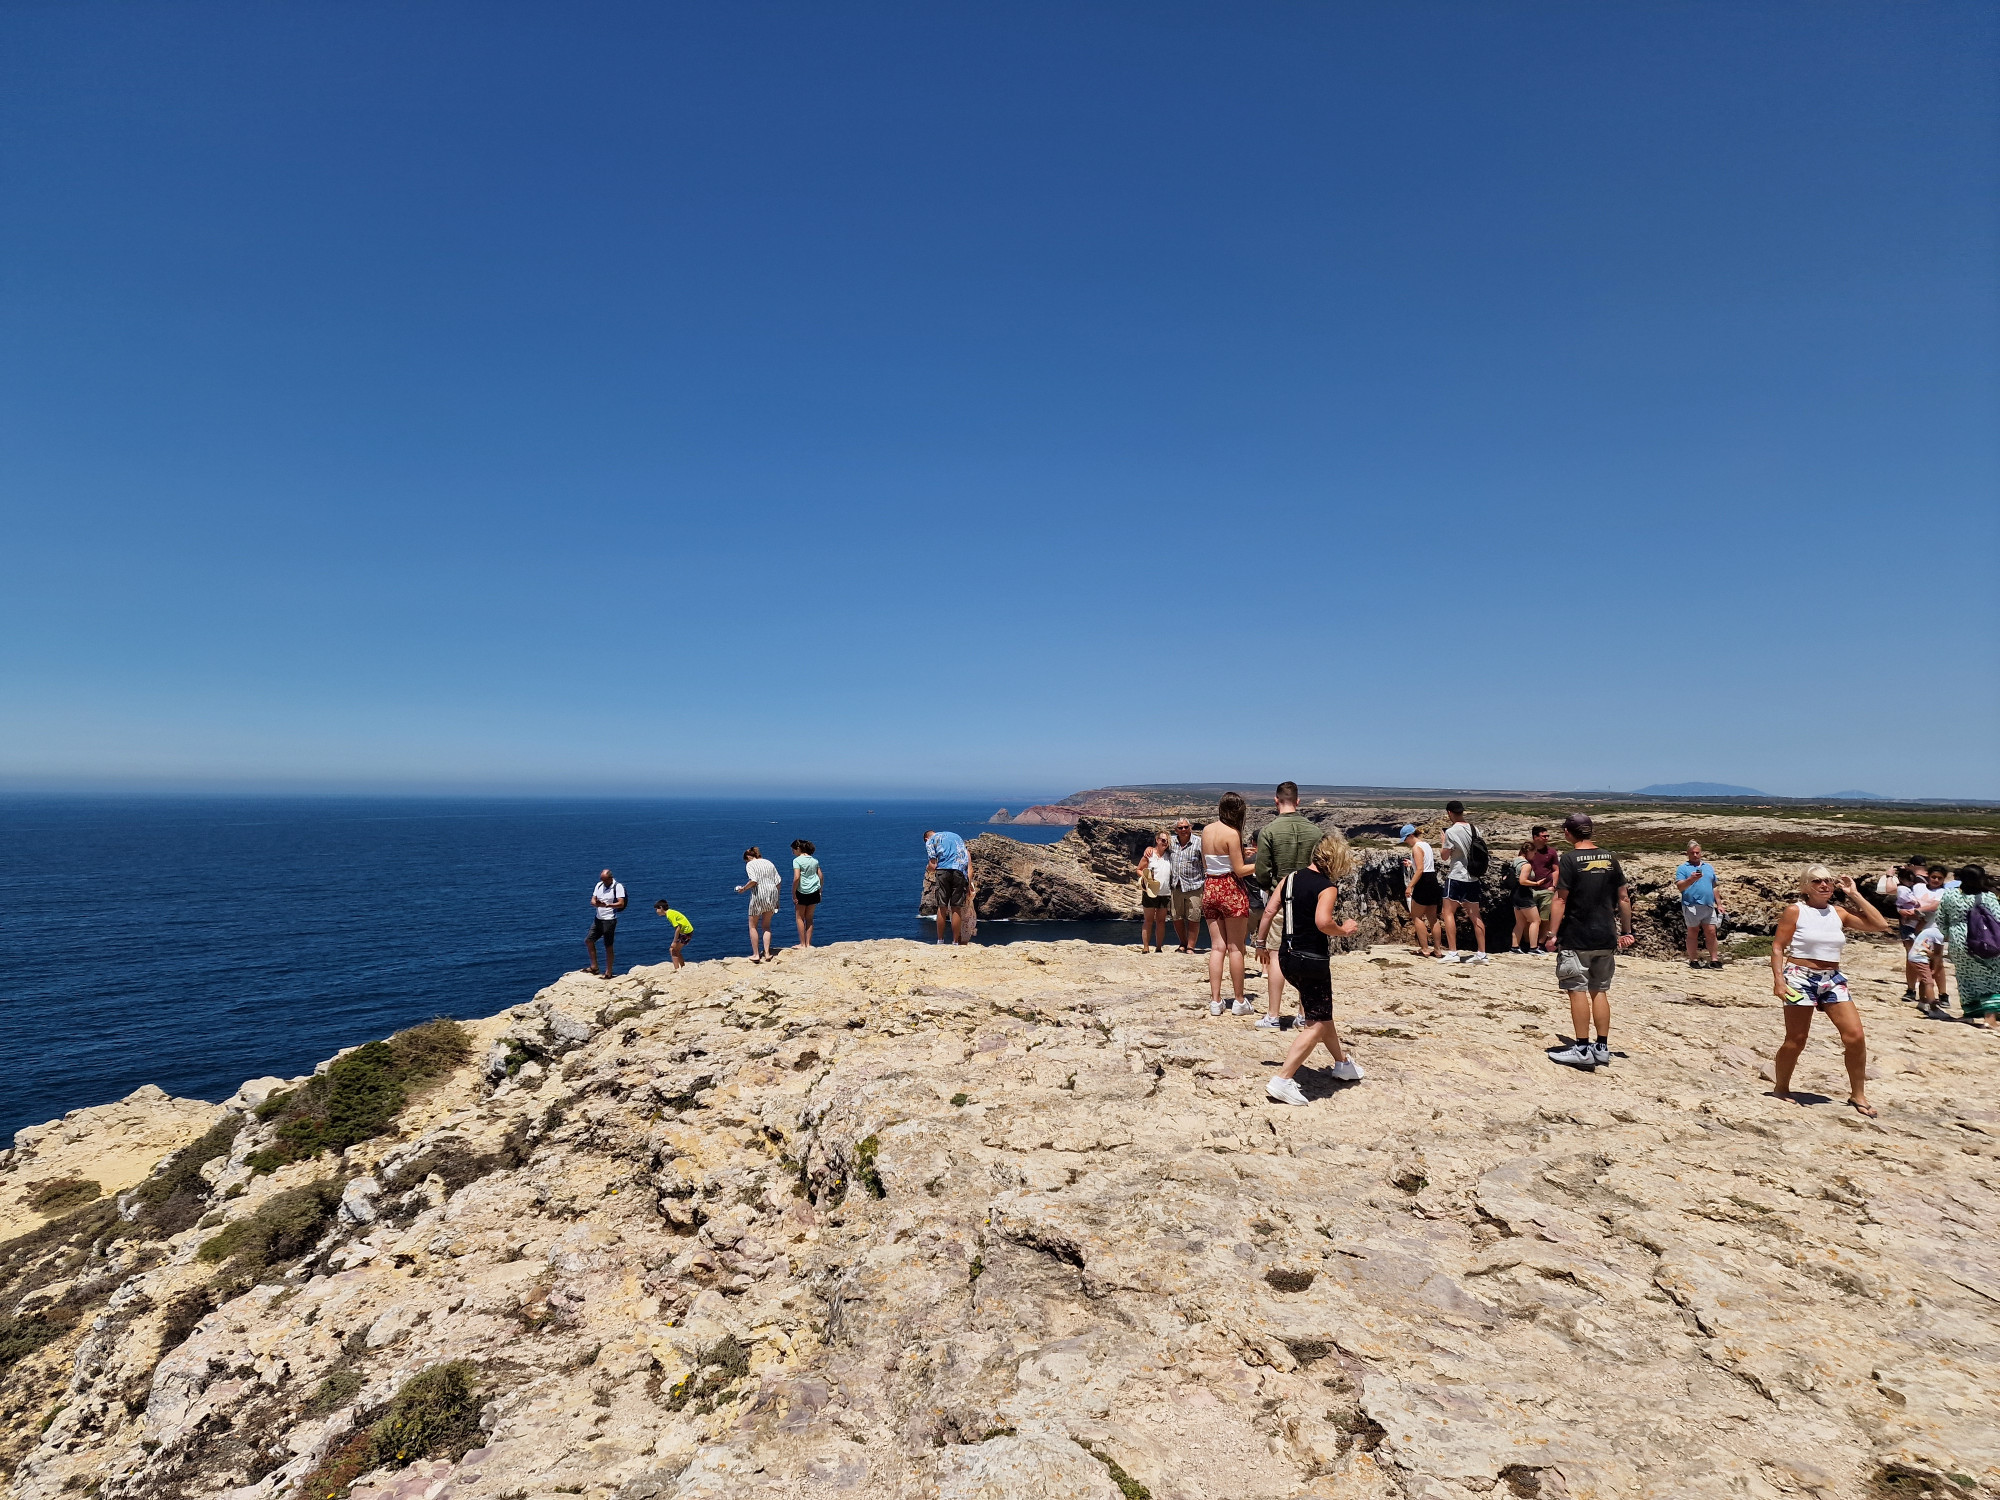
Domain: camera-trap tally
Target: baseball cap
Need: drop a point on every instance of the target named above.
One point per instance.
(1408, 829)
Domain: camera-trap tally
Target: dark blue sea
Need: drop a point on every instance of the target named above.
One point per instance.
(194, 943)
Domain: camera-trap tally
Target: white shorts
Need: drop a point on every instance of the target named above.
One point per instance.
(1695, 914)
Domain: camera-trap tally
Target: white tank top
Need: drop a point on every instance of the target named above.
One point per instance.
(1424, 863)
(1217, 864)
(1820, 934)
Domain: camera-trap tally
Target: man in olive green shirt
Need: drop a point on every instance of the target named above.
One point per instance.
(1284, 845)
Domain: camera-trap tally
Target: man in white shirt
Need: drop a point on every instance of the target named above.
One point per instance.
(606, 901)
(1461, 888)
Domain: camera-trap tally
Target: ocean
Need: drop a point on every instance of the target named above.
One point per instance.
(196, 942)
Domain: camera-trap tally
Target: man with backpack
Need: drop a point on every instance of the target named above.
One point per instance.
(1466, 859)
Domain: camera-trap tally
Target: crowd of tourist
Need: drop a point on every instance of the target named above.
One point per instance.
(1574, 903)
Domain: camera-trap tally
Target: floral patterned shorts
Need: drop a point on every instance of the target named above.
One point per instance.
(1821, 987)
(1223, 897)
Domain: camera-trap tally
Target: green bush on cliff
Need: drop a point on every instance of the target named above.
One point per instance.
(172, 1199)
(284, 1227)
(359, 1096)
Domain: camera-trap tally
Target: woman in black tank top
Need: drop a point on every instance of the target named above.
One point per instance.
(1310, 902)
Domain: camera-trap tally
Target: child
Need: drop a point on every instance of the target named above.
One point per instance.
(683, 929)
(1923, 971)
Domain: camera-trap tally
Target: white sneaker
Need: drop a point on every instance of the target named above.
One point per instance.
(1475, 958)
(1243, 1009)
(1347, 1070)
(1215, 1007)
(1285, 1090)
(1580, 1055)
(1603, 1055)
(1448, 958)
(1269, 1023)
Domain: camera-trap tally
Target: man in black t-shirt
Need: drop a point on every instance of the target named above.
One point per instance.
(1589, 921)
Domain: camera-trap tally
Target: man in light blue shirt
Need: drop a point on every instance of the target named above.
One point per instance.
(1699, 908)
(951, 863)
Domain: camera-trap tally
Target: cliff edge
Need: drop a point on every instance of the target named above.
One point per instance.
(885, 1219)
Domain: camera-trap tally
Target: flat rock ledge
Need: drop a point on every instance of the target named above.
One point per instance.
(884, 1219)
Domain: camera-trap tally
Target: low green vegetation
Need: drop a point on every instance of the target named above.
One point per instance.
(1129, 1487)
(705, 1387)
(358, 1097)
(285, 1226)
(61, 1194)
(864, 1167)
(434, 1415)
(341, 1386)
(175, 1197)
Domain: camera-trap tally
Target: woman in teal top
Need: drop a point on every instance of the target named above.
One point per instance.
(1978, 978)
(808, 880)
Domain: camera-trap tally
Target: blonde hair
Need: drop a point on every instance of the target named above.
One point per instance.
(1811, 873)
(1332, 856)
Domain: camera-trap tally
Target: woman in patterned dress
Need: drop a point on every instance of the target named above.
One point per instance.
(1978, 978)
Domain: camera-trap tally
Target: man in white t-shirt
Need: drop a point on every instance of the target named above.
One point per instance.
(606, 901)
(1461, 887)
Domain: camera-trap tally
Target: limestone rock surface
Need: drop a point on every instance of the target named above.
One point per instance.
(112, 1145)
(891, 1220)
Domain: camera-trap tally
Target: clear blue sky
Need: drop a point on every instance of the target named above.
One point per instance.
(1000, 398)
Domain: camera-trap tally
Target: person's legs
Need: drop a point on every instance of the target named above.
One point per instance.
(1520, 941)
(1846, 1018)
(590, 947)
(755, 955)
(1600, 1013)
(1425, 919)
(1917, 980)
(1478, 924)
(1708, 936)
(1305, 1039)
(610, 963)
(1694, 943)
(1798, 1022)
(804, 915)
(1534, 914)
(674, 951)
(1450, 927)
(1216, 947)
(941, 915)
(1234, 931)
(1274, 973)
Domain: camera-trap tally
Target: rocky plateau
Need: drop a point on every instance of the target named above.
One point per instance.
(886, 1219)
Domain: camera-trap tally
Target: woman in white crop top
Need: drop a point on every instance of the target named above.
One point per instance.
(1223, 900)
(1805, 974)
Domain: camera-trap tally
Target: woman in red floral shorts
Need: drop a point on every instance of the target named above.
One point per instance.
(1223, 901)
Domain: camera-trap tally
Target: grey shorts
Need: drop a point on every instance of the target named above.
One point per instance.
(1695, 914)
(1186, 905)
(1590, 969)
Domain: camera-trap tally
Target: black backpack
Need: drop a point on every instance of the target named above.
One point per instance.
(1478, 857)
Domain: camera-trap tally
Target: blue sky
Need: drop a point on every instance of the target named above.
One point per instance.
(1000, 399)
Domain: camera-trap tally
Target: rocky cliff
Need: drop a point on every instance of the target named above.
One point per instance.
(885, 1219)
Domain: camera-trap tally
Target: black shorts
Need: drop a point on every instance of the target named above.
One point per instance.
(1155, 903)
(682, 939)
(805, 898)
(602, 929)
(1427, 891)
(951, 889)
(1523, 898)
(1312, 977)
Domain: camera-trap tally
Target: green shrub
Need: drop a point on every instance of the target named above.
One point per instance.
(341, 1386)
(358, 1097)
(864, 1166)
(20, 1337)
(716, 1368)
(60, 1194)
(284, 1227)
(436, 1413)
(172, 1198)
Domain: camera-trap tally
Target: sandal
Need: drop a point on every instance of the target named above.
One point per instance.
(1867, 1111)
